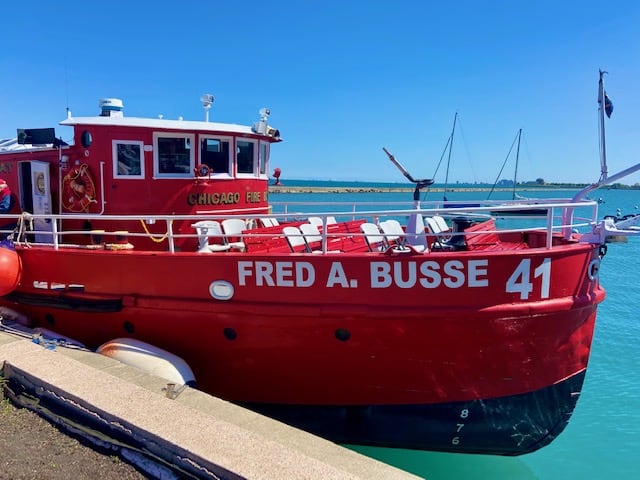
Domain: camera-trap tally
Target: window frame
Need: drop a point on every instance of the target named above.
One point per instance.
(254, 164)
(114, 156)
(156, 154)
(263, 166)
(222, 138)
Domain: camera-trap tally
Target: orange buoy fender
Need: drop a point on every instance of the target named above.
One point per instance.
(10, 269)
(149, 358)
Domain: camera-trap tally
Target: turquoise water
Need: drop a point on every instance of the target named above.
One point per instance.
(602, 439)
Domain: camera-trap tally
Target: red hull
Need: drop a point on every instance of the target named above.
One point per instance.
(403, 346)
(320, 357)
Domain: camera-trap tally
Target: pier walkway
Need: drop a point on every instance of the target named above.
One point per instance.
(182, 433)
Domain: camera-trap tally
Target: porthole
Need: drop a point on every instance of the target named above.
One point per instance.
(343, 334)
(230, 333)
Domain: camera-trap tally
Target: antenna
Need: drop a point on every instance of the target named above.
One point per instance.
(207, 100)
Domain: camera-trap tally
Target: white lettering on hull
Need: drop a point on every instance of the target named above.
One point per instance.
(525, 278)
(277, 274)
(454, 274)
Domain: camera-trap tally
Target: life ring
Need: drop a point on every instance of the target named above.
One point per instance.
(202, 170)
(78, 190)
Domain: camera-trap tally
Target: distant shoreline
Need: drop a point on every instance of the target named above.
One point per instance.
(333, 189)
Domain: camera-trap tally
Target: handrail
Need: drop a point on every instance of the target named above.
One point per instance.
(554, 221)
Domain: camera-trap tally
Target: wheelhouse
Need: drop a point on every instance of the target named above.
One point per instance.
(146, 166)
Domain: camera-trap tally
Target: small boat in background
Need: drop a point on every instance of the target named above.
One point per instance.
(154, 236)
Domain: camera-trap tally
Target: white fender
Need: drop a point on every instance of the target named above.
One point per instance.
(149, 358)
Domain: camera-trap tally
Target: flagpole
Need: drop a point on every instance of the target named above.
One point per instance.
(601, 113)
(605, 106)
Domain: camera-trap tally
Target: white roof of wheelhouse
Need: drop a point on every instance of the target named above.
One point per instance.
(159, 123)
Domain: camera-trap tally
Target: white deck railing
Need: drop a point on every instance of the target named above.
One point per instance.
(512, 216)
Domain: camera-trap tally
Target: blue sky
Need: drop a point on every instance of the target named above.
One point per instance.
(345, 78)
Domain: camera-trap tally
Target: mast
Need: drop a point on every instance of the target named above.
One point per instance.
(515, 175)
(446, 178)
(516, 139)
(604, 106)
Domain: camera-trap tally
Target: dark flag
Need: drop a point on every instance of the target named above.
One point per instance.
(608, 105)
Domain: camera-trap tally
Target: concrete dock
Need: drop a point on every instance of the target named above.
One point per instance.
(179, 433)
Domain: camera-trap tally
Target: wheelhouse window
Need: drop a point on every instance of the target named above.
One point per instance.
(215, 153)
(246, 157)
(128, 159)
(264, 158)
(173, 155)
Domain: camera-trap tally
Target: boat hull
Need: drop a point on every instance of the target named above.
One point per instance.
(382, 364)
(483, 426)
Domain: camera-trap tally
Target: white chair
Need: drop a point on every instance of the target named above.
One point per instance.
(317, 221)
(395, 234)
(431, 225)
(435, 227)
(392, 230)
(233, 228)
(442, 224)
(313, 237)
(375, 240)
(296, 239)
(269, 222)
(207, 229)
(311, 233)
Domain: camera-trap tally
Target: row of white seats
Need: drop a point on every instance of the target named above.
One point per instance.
(233, 228)
(303, 238)
(390, 233)
(387, 234)
(317, 221)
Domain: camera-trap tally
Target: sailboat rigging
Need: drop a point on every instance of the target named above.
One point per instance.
(516, 141)
(450, 144)
(514, 195)
(448, 149)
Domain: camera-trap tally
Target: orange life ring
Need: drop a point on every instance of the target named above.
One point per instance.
(202, 170)
(78, 190)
